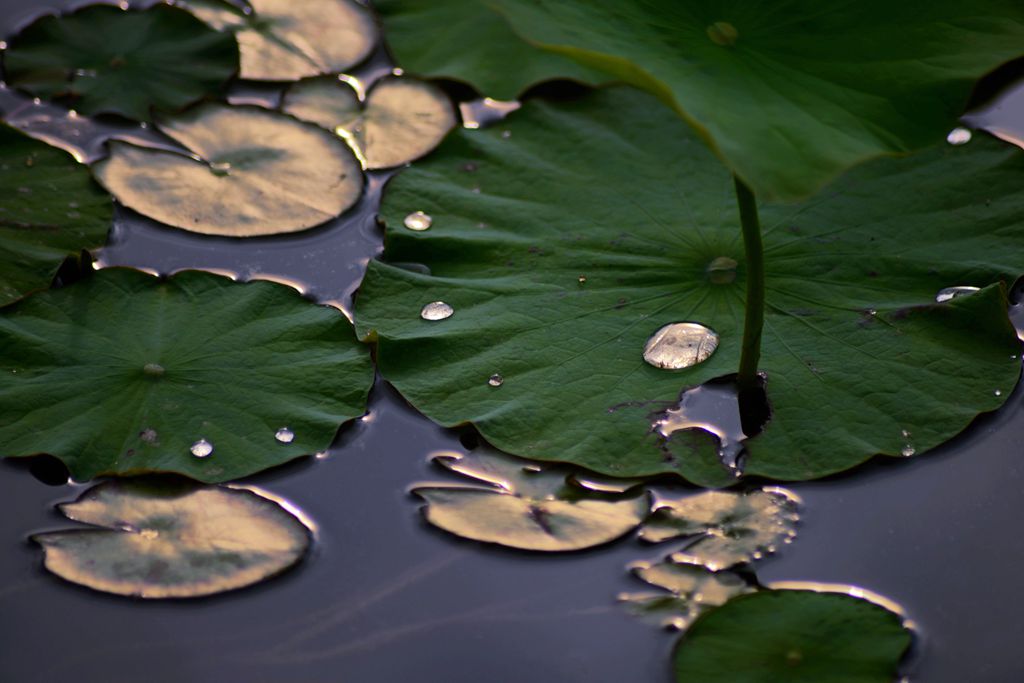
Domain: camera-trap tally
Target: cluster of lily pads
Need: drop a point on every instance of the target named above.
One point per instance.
(562, 280)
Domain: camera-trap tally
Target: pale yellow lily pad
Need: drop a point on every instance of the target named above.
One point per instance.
(285, 40)
(691, 590)
(527, 506)
(254, 172)
(173, 540)
(727, 528)
(402, 119)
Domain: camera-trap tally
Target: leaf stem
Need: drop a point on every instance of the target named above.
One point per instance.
(753, 320)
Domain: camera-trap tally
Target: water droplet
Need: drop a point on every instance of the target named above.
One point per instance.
(36, 100)
(723, 33)
(436, 310)
(418, 221)
(680, 345)
(906, 434)
(123, 4)
(958, 136)
(72, 114)
(582, 279)
(998, 392)
(722, 270)
(202, 448)
(496, 380)
(153, 369)
(222, 168)
(908, 451)
(953, 292)
(85, 73)
(284, 435)
(3, 44)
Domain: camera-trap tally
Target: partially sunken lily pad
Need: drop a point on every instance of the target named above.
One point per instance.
(49, 208)
(526, 506)
(102, 59)
(793, 636)
(122, 373)
(255, 172)
(160, 539)
(402, 119)
(691, 590)
(285, 40)
(728, 528)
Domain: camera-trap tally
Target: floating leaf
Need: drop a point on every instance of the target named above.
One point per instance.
(595, 225)
(793, 636)
(729, 528)
(159, 539)
(257, 172)
(402, 120)
(786, 93)
(50, 208)
(123, 373)
(102, 59)
(285, 40)
(692, 590)
(526, 506)
(477, 47)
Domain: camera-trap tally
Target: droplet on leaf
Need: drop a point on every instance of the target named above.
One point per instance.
(722, 270)
(418, 221)
(496, 380)
(284, 435)
(437, 310)
(680, 345)
(201, 448)
(153, 369)
(959, 136)
(950, 293)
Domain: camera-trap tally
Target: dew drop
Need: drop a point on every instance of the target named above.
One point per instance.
(950, 293)
(221, 168)
(908, 451)
(723, 33)
(998, 392)
(958, 136)
(284, 435)
(418, 221)
(680, 345)
(437, 310)
(202, 448)
(582, 279)
(722, 270)
(496, 380)
(153, 369)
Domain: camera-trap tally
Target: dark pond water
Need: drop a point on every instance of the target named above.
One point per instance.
(386, 598)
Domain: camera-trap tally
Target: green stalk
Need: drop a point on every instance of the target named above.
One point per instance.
(753, 320)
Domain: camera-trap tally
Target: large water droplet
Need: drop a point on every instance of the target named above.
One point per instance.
(953, 292)
(202, 448)
(723, 33)
(437, 310)
(680, 345)
(418, 221)
(496, 380)
(284, 435)
(958, 136)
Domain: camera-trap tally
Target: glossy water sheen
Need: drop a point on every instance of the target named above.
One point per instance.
(385, 598)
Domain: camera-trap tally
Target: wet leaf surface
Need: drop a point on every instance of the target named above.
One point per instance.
(102, 59)
(173, 539)
(465, 40)
(402, 119)
(258, 172)
(612, 188)
(526, 506)
(285, 40)
(123, 373)
(691, 590)
(823, 100)
(793, 636)
(50, 208)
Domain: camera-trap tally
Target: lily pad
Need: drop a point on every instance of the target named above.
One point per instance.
(160, 539)
(104, 60)
(597, 222)
(465, 40)
(402, 120)
(788, 94)
(285, 40)
(793, 636)
(526, 506)
(255, 172)
(124, 373)
(691, 590)
(726, 528)
(50, 208)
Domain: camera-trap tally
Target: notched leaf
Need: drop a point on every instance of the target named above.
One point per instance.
(691, 590)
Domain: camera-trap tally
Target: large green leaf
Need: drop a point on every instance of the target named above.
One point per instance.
(104, 60)
(123, 373)
(466, 40)
(568, 236)
(49, 208)
(791, 93)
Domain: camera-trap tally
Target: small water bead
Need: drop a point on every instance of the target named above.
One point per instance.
(998, 392)
(418, 221)
(437, 310)
(153, 369)
(680, 345)
(496, 380)
(722, 270)
(950, 293)
(581, 279)
(221, 169)
(908, 451)
(3, 44)
(959, 136)
(284, 435)
(202, 448)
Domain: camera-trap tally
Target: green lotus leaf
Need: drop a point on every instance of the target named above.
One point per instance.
(465, 40)
(102, 59)
(254, 172)
(50, 208)
(789, 94)
(797, 636)
(285, 40)
(564, 240)
(124, 373)
(173, 539)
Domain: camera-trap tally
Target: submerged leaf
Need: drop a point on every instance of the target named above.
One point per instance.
(50, 208)
(123, 373)
(255, 172)
(794, 636)
(285, 40)
(402, 120)
(692, 590)
(526, 506)
(101, 59)
(600, 220)
(161, 539)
